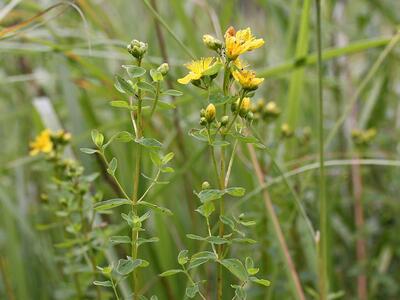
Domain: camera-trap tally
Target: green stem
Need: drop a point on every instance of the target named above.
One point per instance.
(323, 278)
(135, 196)
(212, 153)
(77, 286)
(236, 113)
(114, 288)
(155, 99)
(120, 188)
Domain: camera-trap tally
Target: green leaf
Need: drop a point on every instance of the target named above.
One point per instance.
(108, 204)
(123, 85)
(120, 104)
(145, 86)
(150, 240)
(199, 134)
(235, 191)
(219, 99)
(263, 282)
(206, 209)
(183, 257)
(166, 170)
(167, 158)
(217, 240)
(240, 293)
(173, 93)
(115, 240)
(134, 71)
(249, 263)
(220, 143)
(149, 142)
(97, 138)
(201, 258)
(246, 139)
(156, 158)
(155, 207)
(244, 240)
(88, 150)
(171, 272)
(112, 166)
(195, 237)
(124, 137)
(156, 75)
(106, 283)
(191, 291)
(209, 195)
(236, 267)
(227, 221)
(126, 266)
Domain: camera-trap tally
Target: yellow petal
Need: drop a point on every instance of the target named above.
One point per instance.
(256, 44)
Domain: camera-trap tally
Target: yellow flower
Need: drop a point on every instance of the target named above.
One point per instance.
(203, 67)
(239, 42)
(247, 79)
(42, 143)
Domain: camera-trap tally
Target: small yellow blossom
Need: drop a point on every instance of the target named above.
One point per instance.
(239, 42)
(203, 67)
(42, 143)
(247, 79)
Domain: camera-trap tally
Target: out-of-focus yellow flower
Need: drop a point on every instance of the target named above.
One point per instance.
(203, 67)
(239, 42)
(42, 143)
(247, 79)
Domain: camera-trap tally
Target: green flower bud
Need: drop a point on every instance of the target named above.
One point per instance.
(137, 49)
(224, 120)
(202, 112)
(250, 116)
(211, 42)
(205, 185)
(203, 121)
(210, 113)
(163, 69)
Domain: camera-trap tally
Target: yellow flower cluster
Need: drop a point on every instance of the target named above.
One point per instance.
(47, 141)
(236, 43)
(42, 143)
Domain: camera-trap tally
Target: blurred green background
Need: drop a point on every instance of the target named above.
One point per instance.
(57, 69)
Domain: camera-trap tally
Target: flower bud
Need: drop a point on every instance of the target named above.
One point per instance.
(211, 42)
(137, 49)
(205, 185)
(210, 113)
(286, 131)
(234, 106)
(250, 116)
(203, 121)
(163, 69)
(224, 120)
(244, 107)
(271, 110)
(202, 112)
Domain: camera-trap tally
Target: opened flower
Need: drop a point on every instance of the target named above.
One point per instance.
(42, 143)
(247, 79)
(239, 42)
(199, 68)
